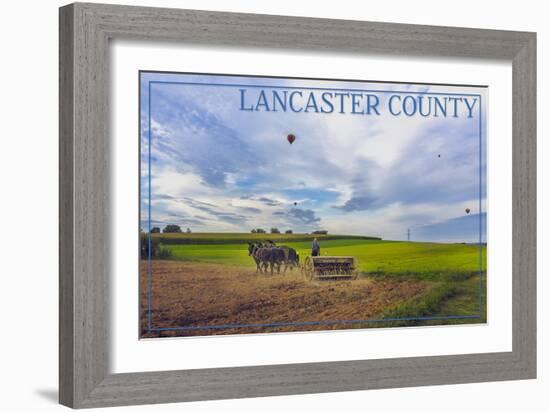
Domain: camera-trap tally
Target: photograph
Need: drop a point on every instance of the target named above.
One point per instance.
(285, 204)
(275, 206)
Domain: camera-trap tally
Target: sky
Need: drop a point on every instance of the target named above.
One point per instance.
(215, 168)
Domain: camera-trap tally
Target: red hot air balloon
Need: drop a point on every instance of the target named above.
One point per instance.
(291, 138)
(467, 210)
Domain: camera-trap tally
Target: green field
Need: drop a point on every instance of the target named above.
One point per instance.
(374, 256)
(452, 270)
(236, 238)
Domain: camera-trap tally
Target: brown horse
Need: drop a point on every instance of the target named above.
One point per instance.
(252, 249)
(269, 254)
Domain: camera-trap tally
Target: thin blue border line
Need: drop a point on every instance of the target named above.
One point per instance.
(149, 312)
(309, 88)
(333, 322)
(480, 215)
(150, 328)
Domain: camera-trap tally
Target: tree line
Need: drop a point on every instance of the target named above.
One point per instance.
(273, 230)
(169, 229)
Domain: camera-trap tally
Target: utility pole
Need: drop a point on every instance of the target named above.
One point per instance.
(408, 235)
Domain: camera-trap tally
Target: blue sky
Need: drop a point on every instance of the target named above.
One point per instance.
(215, 168)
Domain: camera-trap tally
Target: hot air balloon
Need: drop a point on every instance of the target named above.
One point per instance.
(291, 138)
(295, 203)
(467, 210)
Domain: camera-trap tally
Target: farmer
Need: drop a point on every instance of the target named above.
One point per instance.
(315, 248)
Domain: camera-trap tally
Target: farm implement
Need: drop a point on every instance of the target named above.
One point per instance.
(330, 268)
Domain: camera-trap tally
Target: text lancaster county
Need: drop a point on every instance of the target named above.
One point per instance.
(358, 103)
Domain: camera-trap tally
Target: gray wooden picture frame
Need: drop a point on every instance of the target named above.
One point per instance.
(85, 31)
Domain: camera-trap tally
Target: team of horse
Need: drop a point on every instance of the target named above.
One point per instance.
(269, 254)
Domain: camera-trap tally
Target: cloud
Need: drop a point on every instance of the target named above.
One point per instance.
(232, 170)
(304, 216)
(231, 217)
(263, 199)
(438, 165)
(460, 229)
(249, 209)
(269, 202)
(358, 203)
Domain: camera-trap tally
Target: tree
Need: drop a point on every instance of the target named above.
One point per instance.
(158, 251)
(260, 231)
(320, 232)
(172, 229)
(188, 230)
(275, 230)
(288, 232)
(253, 231)
(155, 229)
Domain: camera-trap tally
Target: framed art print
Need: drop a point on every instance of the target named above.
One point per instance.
(259, 205)
(287, 204)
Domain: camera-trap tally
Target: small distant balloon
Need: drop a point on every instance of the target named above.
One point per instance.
(467, 210)
(291, 138)
(295, 203)
(438, 155)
